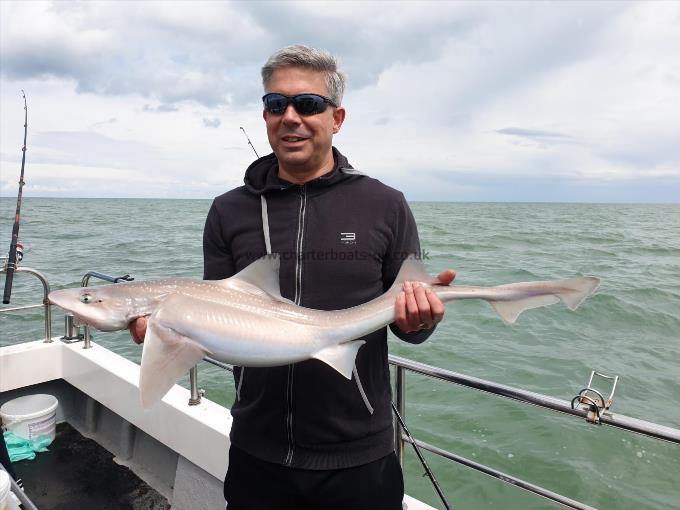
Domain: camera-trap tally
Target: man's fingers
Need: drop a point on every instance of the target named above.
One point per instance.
(424, 312)
(446, 277)
(141, 324)
(138, 330)
(417, 307)
(400, 312)
(436, 306)
(412, 314)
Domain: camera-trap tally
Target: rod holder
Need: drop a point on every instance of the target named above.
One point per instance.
(71, 329)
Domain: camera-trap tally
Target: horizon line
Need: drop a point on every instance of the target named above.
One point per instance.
(5, 197)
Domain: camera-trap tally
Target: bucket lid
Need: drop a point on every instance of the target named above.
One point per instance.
(28, 406)
(5, 484)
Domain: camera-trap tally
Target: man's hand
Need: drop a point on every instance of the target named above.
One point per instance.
(138, 330)
(418, 307)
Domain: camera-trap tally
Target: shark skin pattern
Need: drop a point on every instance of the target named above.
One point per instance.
(244, 320)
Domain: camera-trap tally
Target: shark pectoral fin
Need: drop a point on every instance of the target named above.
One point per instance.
(167, 356)
(341, 357)
(510, 310)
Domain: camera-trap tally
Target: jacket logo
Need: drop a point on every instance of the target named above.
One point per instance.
(348, 237)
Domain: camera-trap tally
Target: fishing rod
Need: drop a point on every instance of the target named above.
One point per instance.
(12, 260)
(250, 143)
(428, 471)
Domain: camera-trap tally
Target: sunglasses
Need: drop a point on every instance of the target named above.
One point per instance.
(304, 104)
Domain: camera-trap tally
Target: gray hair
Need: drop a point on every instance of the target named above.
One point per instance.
(299, 55)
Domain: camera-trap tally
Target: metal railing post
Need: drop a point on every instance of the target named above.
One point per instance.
(196, 394)
(48, 319)
(400, 402)
(45, 303)
(87, 339)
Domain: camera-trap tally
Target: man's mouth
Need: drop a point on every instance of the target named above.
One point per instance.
(292, 138)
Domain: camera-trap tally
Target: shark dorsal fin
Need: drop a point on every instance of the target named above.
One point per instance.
(412, 269)
(260, 277)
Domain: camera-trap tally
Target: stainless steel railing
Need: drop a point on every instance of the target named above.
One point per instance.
(646, 428)
(606, 417)
(46, 305)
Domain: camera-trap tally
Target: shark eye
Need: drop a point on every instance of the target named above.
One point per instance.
(86, 298)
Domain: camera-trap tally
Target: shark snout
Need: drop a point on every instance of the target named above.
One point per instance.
(88, 308)
(65, 299)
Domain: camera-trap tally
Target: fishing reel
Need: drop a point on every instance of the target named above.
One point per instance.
(20, 252)
(19, 257)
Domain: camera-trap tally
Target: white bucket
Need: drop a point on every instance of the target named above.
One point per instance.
(4, 490)
(8, 500)
(31, 416)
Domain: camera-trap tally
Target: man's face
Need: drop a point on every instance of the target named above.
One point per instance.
(302, 143)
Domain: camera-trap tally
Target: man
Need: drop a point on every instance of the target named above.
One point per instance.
(303, 436)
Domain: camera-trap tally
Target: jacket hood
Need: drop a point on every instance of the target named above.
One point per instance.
(262, 175)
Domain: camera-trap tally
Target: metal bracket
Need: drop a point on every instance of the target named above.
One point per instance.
(72, 333)
(593, 400)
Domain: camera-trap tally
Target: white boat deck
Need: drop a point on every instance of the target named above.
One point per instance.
(179, 450)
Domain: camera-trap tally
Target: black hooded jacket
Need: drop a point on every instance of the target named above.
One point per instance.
(341, 240)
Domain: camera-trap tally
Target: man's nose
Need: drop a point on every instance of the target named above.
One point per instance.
(291, 116)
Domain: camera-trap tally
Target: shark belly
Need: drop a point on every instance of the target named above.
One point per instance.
(243, 336)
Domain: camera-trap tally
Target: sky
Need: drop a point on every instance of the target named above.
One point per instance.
(453, 101)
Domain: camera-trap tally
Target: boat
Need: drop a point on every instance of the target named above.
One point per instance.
(174, 455)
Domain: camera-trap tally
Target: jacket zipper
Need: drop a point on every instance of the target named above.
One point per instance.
(298, 297)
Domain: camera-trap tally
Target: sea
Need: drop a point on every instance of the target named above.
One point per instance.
(630, 328)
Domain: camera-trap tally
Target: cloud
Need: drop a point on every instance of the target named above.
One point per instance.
(98, 47)
(212, 123)
(368, 44)
(92, 149)
(533, 133)
(468, 186)
(209, 52)
(650, 155)
(112, 120)
(492, 89)
(161, 108)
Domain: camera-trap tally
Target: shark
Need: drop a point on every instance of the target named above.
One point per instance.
(245, 321)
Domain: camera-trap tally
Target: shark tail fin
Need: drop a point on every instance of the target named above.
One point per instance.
(341, 357)
(510, 310)
(167, 356)
(571, 292)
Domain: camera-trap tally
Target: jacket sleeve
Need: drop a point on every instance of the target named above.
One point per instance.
(218, 262)
(404, 243)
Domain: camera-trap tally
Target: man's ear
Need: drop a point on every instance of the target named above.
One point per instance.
(338, 118)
